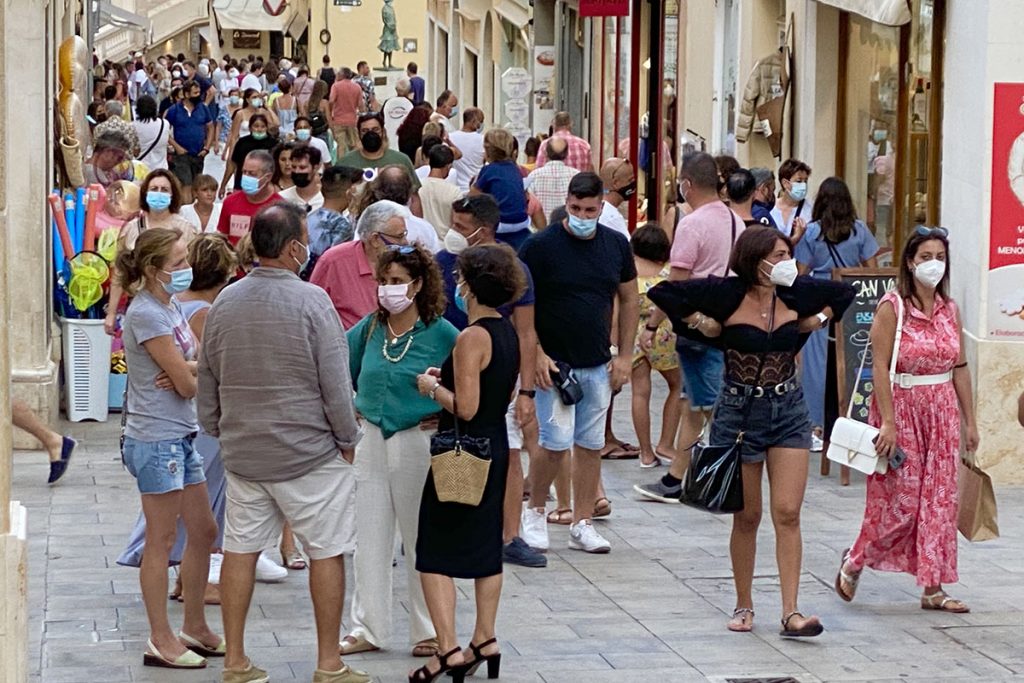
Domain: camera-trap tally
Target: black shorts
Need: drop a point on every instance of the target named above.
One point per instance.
(774, 422)
(186, 167)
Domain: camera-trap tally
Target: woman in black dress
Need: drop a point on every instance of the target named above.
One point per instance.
(461, 541)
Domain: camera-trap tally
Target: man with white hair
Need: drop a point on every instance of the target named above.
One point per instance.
(398, 107)
(346, 271)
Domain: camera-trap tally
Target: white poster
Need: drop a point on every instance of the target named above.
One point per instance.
(543, 87)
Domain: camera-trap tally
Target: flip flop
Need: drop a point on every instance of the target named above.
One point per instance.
(602, 509)
(560, 516)
(806, 631)
(739, 613)
(620, 451)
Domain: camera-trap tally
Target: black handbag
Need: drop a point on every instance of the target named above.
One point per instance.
(568, 387)
(714, 480)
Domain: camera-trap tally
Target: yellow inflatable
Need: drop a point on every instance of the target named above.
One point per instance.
(73, 72)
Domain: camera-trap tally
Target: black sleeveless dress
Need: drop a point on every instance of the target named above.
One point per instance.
(458, 540)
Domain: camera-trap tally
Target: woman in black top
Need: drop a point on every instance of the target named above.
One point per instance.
(761, 318)
(259, 137)
(455, 540)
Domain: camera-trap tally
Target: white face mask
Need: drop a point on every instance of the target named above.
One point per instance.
(455, 243)
(394, 298)
(783, 273)
(930, 273)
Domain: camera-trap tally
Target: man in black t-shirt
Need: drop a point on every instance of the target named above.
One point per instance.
(579, 268)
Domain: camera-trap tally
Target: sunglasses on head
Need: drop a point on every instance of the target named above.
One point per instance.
(401, 248)
(927, 231)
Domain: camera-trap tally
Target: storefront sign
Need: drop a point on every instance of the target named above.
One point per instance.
(604, 8)
(1006, 230)
(246, 40)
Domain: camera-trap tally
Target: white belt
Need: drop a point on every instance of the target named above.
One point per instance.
(905, 380)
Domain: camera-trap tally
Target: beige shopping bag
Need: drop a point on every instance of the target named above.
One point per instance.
(977, 519)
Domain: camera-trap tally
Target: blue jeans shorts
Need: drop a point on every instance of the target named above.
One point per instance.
(703, 372)
(582, 424)
(163, 466)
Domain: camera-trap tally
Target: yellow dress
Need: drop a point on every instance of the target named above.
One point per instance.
(662, 355)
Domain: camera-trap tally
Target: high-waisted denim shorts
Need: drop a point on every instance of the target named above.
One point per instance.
(774, 421)
(163, 466)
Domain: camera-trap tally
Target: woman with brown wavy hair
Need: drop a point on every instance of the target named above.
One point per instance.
(387, 350)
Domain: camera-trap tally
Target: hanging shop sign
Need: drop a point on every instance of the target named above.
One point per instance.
(1006, 228)
(604, 8)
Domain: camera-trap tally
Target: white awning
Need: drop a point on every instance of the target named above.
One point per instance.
(110, 14)
(888, 12)
(513, 12)
(249, 15)
(204, 32)
(469, 14)
(299, 19)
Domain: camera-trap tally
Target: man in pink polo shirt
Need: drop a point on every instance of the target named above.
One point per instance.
(346, 271)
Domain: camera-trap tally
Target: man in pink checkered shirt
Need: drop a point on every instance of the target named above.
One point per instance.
(550, 184)
(579, 149)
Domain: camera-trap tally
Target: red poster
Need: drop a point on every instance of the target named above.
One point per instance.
(604, 8)
(1006, 236)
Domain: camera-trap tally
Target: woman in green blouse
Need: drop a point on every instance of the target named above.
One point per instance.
(387, 349)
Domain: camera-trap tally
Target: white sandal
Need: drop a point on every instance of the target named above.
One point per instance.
(189, 660)
(850, 579)
(929, 602)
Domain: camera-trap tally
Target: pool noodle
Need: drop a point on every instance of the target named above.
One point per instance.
(90, 217)
(69, 220)
(81, 206)
(60, 220)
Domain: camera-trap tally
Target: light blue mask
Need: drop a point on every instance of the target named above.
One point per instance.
(303, 134)
(180, 281)
(305, 262)
(250, 185)
(460, 301)
(158, 201)
(582, 227)
(798, 191)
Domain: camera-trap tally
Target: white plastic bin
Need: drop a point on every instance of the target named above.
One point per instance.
(86, 369)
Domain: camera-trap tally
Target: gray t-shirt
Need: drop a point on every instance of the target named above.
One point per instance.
(156, 414)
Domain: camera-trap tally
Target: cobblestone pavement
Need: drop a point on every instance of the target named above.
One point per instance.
(655, 608)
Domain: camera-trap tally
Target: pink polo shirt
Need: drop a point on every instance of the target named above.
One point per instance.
(345, 274)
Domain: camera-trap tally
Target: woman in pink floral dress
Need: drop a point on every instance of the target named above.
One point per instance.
(910, 521)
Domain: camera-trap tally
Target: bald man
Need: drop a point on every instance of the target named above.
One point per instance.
(620, 186)
(550, 183)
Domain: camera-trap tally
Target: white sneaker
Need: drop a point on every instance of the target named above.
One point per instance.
(817, 445)
(215, 562)
(583, 536)
(268, 571)
(535, 529)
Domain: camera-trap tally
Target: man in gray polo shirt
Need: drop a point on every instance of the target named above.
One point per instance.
(274, 387)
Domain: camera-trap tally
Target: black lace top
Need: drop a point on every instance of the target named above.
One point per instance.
(745, 345)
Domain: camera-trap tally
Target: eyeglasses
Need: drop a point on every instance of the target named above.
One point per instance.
(927, 231)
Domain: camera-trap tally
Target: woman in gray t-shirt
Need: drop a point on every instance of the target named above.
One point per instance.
(158, 449)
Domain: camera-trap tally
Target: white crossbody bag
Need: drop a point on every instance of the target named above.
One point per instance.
(853, 443)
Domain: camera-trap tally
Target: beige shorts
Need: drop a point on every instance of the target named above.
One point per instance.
(319, 505)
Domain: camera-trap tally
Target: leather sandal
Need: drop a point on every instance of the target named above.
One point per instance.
(941, 602)
(740, 613)
(560, 516)
(425, 648)
(493, 660)
(602, 507)
(849, 579)
(351, 645)
(806, 631)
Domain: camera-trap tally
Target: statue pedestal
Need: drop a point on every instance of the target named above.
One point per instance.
(384, 82)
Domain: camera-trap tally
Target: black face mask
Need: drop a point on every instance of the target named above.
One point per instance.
(627, 191)
(301, 179)
(372, 141)
(195, 100)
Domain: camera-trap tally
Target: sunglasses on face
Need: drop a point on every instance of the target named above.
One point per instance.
(926, 231)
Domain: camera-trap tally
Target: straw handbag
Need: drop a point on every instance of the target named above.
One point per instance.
(459, 464)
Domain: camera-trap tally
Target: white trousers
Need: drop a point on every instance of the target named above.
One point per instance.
(390, 475)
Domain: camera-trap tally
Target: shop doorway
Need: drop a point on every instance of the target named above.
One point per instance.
(573, 68)
(471, 89)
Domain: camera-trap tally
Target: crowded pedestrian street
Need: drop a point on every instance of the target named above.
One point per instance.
(371, 341)
(653, 609)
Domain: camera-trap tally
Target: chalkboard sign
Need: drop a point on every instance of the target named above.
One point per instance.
(853, 334)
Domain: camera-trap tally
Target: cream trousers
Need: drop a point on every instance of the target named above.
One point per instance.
(390, 475)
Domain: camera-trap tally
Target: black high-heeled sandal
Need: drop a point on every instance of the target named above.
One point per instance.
(425, 675)
(493, 661)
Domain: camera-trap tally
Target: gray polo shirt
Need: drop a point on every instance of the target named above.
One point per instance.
(274, 384)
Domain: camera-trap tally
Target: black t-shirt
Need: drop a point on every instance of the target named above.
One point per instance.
(243, 146)
(327, 76)
(576, 282)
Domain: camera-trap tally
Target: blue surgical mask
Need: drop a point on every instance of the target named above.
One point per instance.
(250, 185)
(582, 227)
(180, 281)
(234, 99)
(256, 102)
(303, 134)
(455, 112)
(880, 135)
(259, 136)
(798, 191)
(460, 301)
(305, 261)
(158, 201)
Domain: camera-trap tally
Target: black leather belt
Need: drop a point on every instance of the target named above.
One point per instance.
(737, 389)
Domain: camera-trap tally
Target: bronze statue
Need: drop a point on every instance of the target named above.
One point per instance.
(389, 36)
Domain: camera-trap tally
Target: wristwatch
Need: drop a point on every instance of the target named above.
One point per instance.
(529, 393)
(433, 391)
(822, 318)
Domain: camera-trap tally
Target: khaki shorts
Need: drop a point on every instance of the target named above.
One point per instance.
(345, 137)
(319, 505)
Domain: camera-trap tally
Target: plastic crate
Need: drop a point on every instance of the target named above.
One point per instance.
(118, 382)
(86, 369)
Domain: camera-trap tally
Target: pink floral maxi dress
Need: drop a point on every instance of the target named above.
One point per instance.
(910, 520)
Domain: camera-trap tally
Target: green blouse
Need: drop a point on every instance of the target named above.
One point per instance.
(386, 393)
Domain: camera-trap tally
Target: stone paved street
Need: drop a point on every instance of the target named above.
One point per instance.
(655, 608)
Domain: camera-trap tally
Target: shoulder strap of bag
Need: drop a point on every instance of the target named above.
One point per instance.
(799, 208)
(155, 141)
(732, 242)
(836, 259)
(899, 337)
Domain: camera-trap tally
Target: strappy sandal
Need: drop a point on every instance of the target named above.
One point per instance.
(929, 602)
(493, 661)
(849, 579)
(602, 507)
(425, 675)
(740, 613)
(560, 516)
(805, 631)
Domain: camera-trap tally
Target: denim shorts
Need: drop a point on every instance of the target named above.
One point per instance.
(582, 424)
(163, 466)
(774, 422)
(703, 370)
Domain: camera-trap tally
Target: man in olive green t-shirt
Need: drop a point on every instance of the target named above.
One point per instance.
(373, 153)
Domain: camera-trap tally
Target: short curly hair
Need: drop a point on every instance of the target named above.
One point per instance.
(420, 264)
(493, 274)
